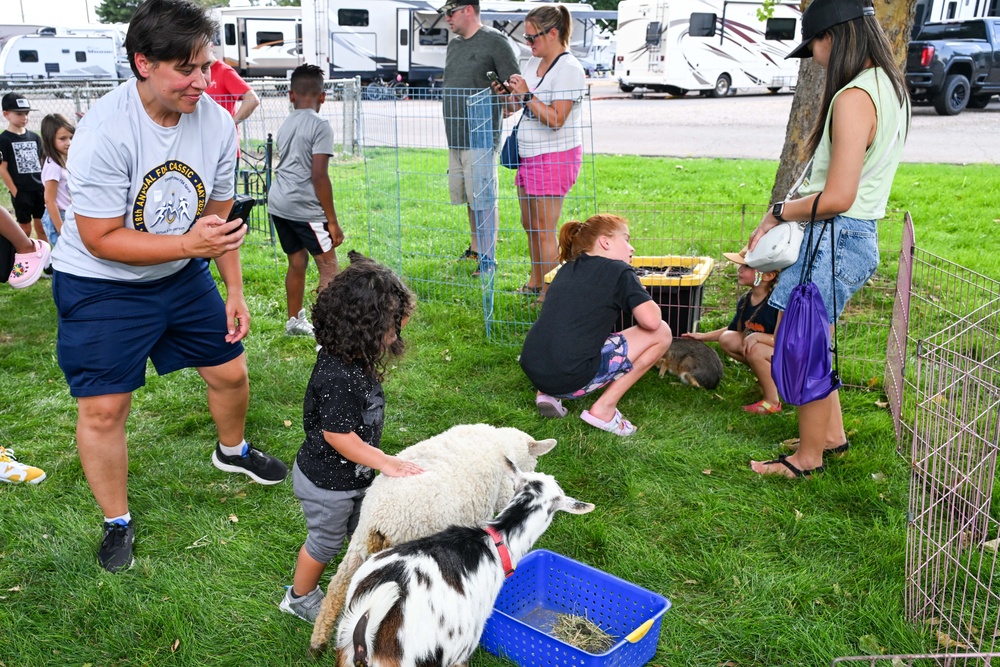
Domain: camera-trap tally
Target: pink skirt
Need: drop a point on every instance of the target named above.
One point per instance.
(550, 174)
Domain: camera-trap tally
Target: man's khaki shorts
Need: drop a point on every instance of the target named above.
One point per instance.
(472, 177)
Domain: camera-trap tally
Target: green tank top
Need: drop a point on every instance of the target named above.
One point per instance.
(881, 158)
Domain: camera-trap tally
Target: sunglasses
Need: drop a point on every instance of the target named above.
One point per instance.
(452, 12)
(530, 39)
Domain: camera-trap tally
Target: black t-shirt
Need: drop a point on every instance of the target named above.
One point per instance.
(562, 351)
(340, 398)
(22, 153)
(762, 318)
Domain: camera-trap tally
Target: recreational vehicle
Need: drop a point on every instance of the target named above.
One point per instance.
(383, 38)
(259, 41)
(116, 31)
(79, 57)
(710, 46)
(8, 30)
(933, 11)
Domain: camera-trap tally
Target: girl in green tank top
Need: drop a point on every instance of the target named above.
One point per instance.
(856, 145)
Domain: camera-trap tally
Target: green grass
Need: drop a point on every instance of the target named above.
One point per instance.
(759, 571)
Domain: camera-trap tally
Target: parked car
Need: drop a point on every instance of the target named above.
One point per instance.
(955, 64)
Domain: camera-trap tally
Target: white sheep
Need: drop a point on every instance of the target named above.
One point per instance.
(465, 483)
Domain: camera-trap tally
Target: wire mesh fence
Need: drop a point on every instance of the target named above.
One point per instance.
(953, 395)
(424, 223)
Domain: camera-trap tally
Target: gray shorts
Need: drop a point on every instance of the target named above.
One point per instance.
(331, 516)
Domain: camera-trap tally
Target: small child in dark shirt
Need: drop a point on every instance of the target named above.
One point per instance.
(749, 338)
(21, 165)
(358, 318)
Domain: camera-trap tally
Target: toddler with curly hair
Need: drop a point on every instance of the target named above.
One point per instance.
(358, 318)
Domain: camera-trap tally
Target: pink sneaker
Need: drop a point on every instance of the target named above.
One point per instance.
(28, 266)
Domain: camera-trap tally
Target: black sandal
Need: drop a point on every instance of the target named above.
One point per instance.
(798, 472)
(529, 290)
(470, 254)
(842, 449)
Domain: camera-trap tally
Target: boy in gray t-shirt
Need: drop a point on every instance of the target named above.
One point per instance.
(301, 196)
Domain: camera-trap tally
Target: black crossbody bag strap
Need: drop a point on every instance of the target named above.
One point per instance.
(806, 275)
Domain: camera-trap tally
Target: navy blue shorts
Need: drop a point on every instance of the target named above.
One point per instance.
(109, 328)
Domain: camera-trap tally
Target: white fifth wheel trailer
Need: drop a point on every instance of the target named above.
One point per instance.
(711, 46)
(259, 41)
(80, 57)
(383, 38)
(928, 11)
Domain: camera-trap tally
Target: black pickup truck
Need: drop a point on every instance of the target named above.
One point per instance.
(955, 64)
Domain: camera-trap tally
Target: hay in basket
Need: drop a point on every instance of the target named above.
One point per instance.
(582, 633)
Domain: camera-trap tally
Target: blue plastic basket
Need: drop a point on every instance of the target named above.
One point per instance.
(545, 584)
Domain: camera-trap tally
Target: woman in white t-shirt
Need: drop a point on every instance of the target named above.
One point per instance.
(550, 136)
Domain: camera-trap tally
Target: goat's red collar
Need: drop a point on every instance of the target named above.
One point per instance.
(505, 563)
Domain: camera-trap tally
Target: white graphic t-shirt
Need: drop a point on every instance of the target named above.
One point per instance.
(159, 178)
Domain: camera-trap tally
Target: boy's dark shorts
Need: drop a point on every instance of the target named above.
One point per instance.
(109, 328)
(28, 205)
(295, 235)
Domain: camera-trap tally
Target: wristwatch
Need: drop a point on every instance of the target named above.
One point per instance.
(527, 98)
(777, 209)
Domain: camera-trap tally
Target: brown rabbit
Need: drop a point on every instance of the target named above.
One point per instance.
(694, 362)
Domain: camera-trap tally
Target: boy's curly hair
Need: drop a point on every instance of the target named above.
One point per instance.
(361, 310)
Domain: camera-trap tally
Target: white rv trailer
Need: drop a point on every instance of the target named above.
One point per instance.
(259, 41)
(712, 46)
(383, 38)
(79, 57)
(928, 11)
(8, 30)
(116, 31)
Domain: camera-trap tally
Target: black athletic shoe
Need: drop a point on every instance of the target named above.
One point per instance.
(255, 464)
(115, 553)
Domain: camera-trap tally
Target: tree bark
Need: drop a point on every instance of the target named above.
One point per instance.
(896, 17)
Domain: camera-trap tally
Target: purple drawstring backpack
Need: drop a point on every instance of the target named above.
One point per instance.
(803, 366)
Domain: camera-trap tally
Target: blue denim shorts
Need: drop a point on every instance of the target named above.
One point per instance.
(614, 364)
(856, 243)
(50, 227)
(109, 328)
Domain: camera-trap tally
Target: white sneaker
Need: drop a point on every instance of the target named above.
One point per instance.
(298, 326)
(13, 471)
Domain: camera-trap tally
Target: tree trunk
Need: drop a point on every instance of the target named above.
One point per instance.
(896, 17)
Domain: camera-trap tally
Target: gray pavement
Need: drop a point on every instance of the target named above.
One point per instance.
(752, 125)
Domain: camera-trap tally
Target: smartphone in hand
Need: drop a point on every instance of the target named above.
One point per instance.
(242, 205)
(492, 76)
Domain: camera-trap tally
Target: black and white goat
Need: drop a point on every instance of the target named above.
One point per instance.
(426, 602)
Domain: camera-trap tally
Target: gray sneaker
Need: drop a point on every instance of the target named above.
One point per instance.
(305, 607)
(298, 326)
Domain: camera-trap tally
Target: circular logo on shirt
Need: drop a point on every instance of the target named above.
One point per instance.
(171, 198)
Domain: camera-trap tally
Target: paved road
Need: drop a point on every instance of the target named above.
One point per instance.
(753, 126)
